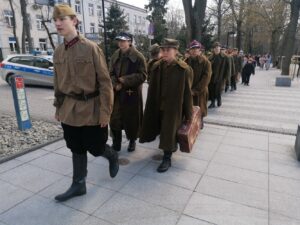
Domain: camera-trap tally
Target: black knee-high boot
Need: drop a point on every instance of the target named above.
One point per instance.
(131, 145)
(78, 186)
(212, 104)
(117, 139)
(113, 159)
(166, 163)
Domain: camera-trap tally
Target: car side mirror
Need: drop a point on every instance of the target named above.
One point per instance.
(51, 68)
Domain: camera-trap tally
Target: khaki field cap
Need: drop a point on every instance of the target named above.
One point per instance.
(170, 43)
(154, 49)
(216, 44)
(63, 10)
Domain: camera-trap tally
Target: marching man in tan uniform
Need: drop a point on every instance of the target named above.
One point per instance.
(83, 99)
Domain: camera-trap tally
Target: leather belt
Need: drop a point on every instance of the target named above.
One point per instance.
(83, 97)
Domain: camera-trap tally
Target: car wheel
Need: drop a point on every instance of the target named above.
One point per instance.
(7, 79)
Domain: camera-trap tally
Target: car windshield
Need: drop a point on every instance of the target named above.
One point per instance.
(42, 63)
(28, 61)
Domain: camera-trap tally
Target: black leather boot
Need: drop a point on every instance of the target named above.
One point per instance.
(78, 186)
(166, 163)
(226, 88)
(117, 139)
(131, 146)
(212, 104)
(113, 159)
(219, 101)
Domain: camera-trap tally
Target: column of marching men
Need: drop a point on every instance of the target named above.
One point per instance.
(89, 97)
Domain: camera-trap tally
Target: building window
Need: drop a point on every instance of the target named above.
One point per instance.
(99, 11)
(128, 17)
(43, 44)
(77, 7)
(139, 20)
(99, 28)
(39, 25)
(92, 27)
(91, 9)
(135, 19)
(8, 16)
(80, 27)
(12, 44)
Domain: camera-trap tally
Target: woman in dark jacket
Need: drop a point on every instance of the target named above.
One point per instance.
(248, 69)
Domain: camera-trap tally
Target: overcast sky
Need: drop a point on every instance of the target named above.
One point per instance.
(142, 3)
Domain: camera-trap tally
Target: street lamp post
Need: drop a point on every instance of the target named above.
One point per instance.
(105, 34)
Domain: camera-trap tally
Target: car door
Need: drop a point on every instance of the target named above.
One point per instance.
(43, 69)
(22, 65)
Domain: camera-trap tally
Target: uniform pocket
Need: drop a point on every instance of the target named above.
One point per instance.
(60, 66)
(83, 66)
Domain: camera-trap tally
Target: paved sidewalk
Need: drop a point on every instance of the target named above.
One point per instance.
(234, 176)
(261, 106)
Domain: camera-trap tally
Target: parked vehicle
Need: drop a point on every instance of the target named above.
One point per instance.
(36, 70)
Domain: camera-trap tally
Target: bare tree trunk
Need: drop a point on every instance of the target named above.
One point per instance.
(275, 37)
(26, 24)
(44, 21)
(219, 19)
(199, 14)
(194, 17)
(48, 33)
(188, 11)
(14, 27)
(290, 36)
(23, 40)
(239, 18)
(239, 34)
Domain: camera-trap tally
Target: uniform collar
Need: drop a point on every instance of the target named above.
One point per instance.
(71, 43)
(131, 54)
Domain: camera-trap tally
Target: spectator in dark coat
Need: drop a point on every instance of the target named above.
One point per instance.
(248, 69)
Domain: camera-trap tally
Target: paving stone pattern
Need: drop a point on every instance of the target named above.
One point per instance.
(234, 176)
(261, 106)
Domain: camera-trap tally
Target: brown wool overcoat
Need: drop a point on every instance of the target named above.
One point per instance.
(202, 74)
(178, 104)
(128, 102)
(81, 69)
(220, 72)
(149, 65)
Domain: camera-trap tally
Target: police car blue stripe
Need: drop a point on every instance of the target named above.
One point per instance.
(29, 70)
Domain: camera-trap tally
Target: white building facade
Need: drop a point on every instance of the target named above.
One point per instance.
(89, 13)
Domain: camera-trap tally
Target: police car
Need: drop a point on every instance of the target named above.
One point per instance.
(36, 70)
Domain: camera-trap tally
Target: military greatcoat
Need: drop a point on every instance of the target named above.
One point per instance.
(220, 72)
(128, 102)
(202, 75)
(169, 102)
